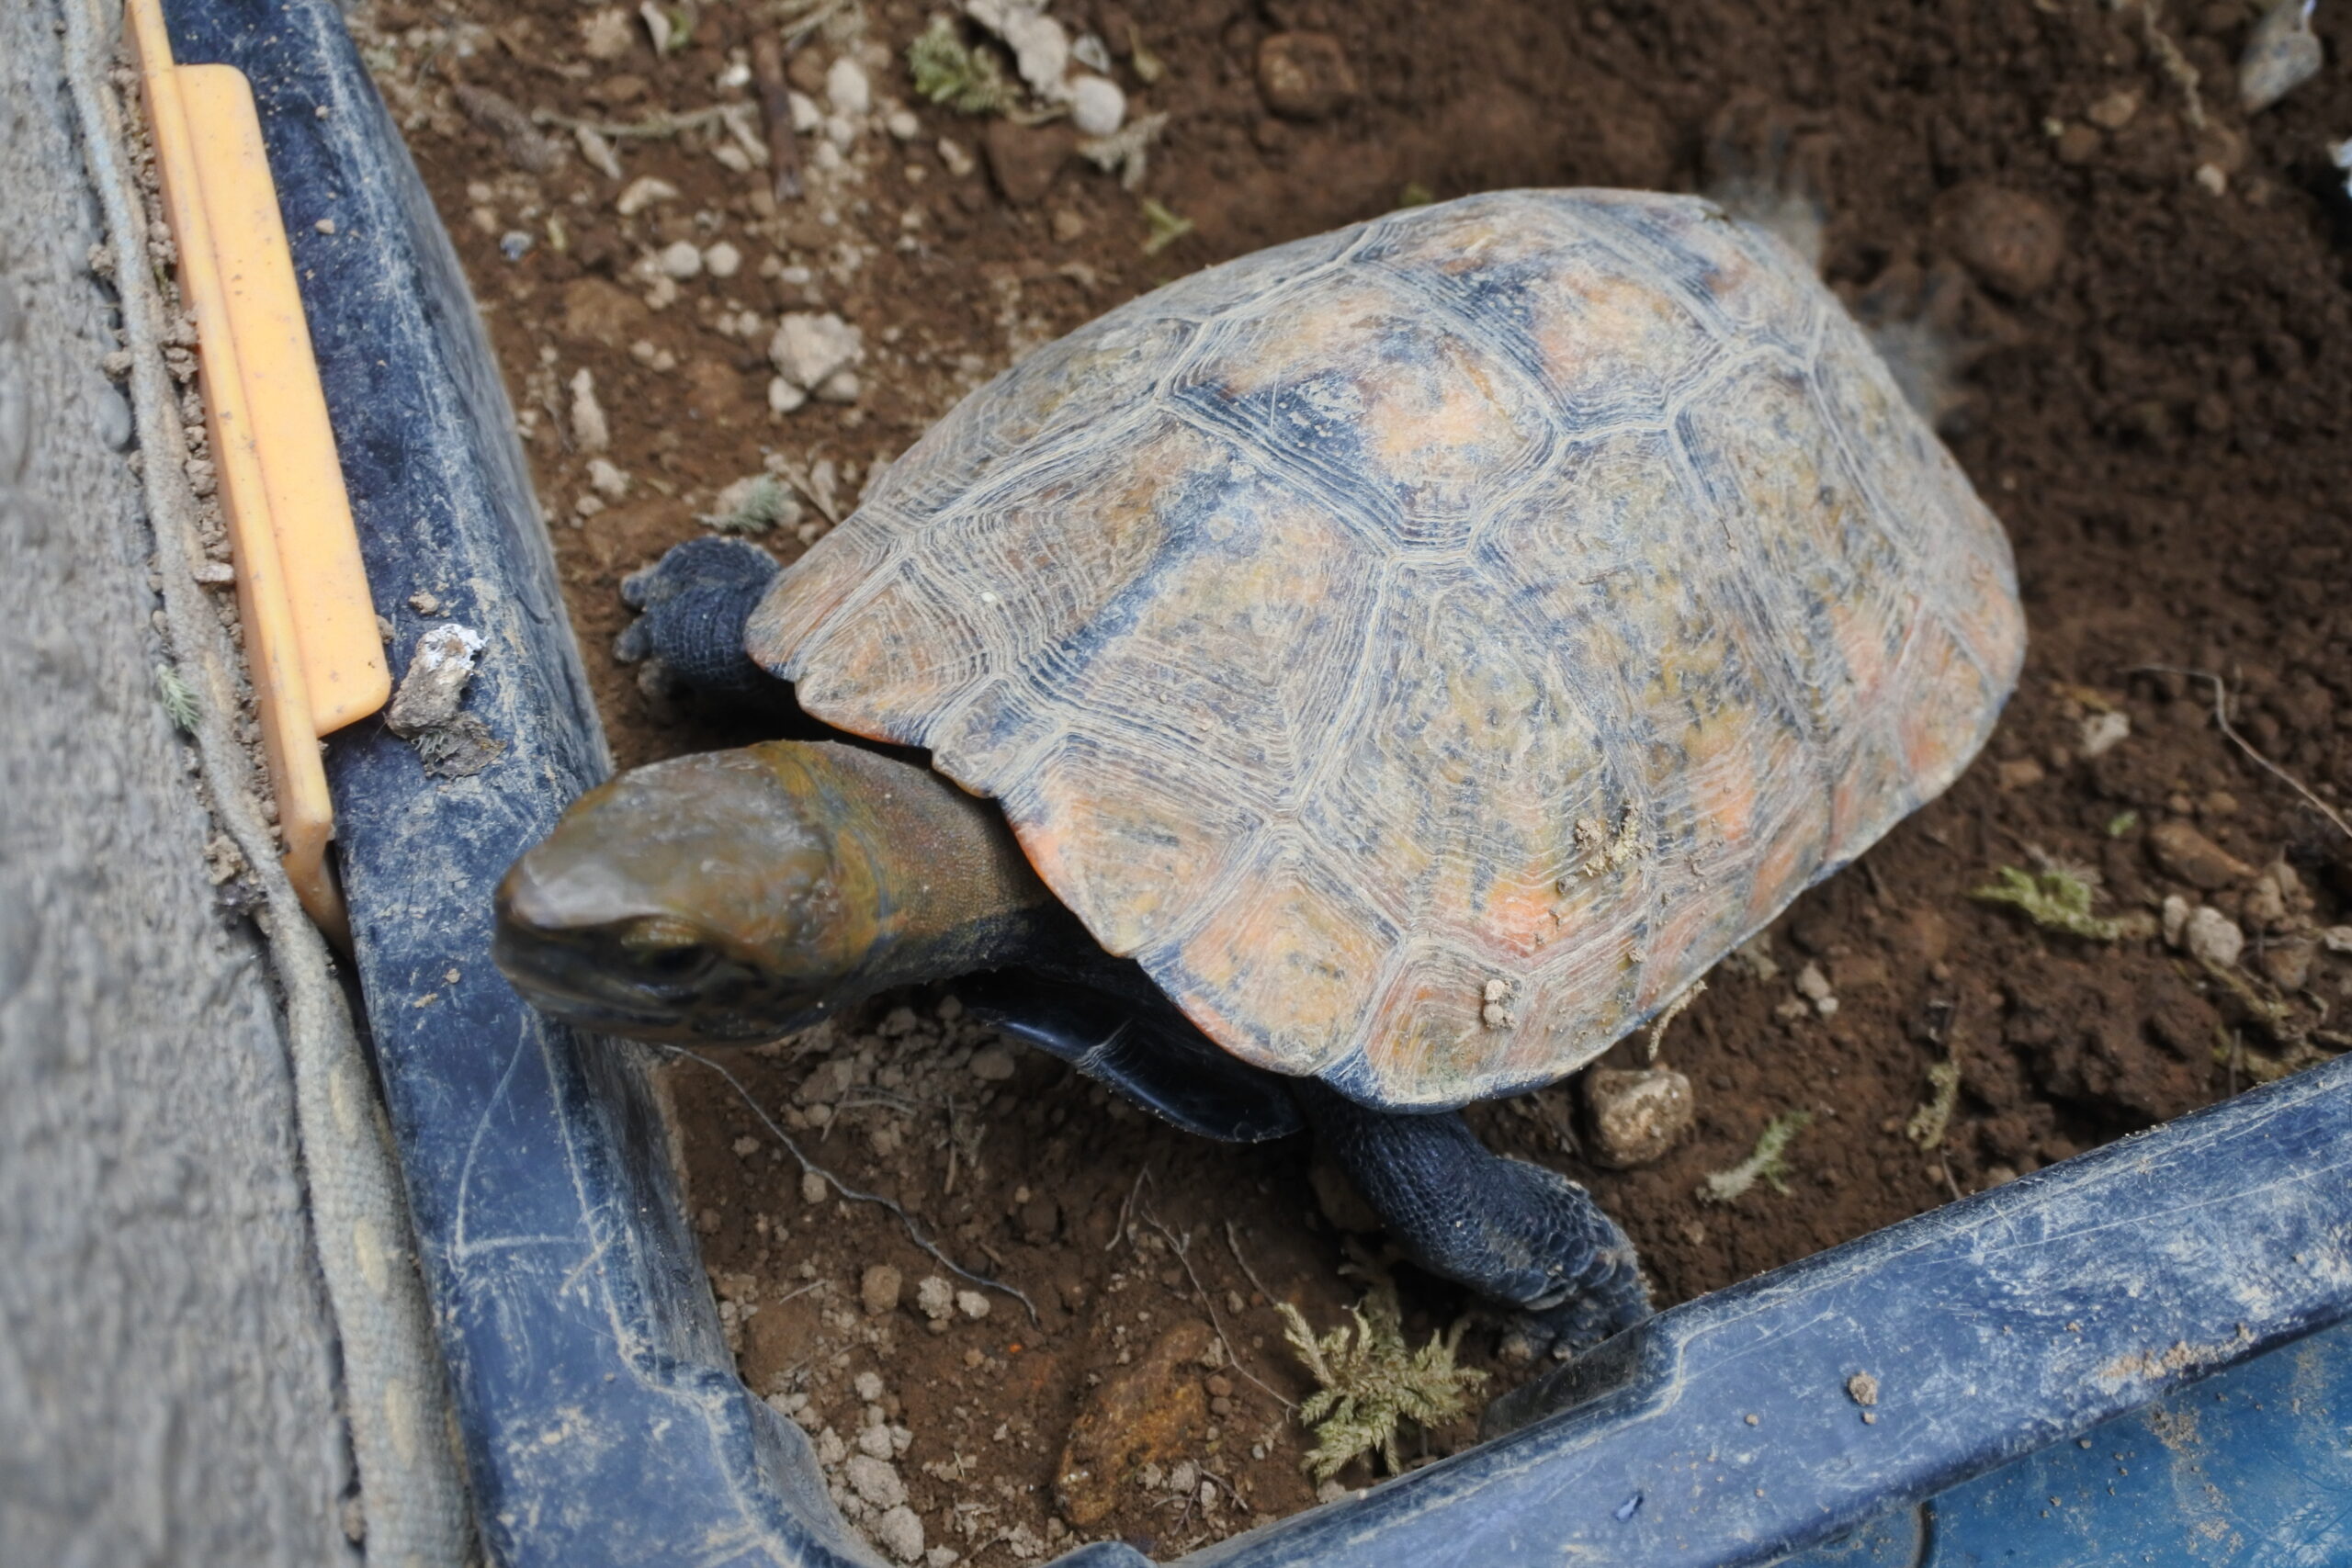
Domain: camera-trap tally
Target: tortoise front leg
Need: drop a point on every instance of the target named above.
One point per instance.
(694, 603)
(1515, 1232)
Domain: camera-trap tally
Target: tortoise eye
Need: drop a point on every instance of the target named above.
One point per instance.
(671, 949)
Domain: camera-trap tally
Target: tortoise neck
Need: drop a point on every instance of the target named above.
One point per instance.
(948, 889)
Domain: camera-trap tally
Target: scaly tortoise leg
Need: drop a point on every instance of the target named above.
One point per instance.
(1515, 1232)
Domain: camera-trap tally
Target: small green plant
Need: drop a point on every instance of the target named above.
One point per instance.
(1366, 1382)
(753, 506)
(2121, 823)
(1927, 1125)
(950, 71)
(1165, 227)
(1768, 1163)
(2056, 898)
(179, 701)
(1415, 194)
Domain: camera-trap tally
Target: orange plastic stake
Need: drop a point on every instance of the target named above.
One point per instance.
(311, 637)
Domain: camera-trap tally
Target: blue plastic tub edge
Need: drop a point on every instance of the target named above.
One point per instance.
(602, 1417)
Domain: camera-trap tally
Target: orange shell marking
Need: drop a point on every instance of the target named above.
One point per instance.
(1428, 647)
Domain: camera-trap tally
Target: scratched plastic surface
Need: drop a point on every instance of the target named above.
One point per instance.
(604, 1423)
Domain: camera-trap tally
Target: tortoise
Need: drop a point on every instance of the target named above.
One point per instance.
(1364, 678)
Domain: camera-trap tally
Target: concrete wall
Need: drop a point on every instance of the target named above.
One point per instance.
(167, 1368)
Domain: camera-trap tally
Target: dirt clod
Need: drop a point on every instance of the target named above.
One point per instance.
(1155, 1413)
(2013, 242)
(1304, 75)
(1637, 1115)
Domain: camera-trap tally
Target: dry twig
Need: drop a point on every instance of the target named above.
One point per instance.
(2221, 718)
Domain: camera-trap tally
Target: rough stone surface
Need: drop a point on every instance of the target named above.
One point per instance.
(2011, 240)
(1638, 1115)
(1304, 75)
(2181, 850)
(1023, 160)
(808, 348)
(167, 1385)
(879, 1289)
(1155, 1413)
(2211, 937)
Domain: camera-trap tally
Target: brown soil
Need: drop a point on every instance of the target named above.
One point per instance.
(2161, 427)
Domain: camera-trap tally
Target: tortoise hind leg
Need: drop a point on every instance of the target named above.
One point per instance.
(1515, 1232)
(693, 605)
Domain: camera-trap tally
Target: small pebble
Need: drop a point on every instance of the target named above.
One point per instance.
(899, 1533)
(2179, 850)
(1862, 1389)
(680, 260)
(1097, 107)
(722, 260)
(972, 1304)
(2114, 112)
(992, 1063)
(867, 1386)
(2103, 732)
(875, 1442)
(813, 1186)
(643, 192)
(876, 1481)
(2211, 937)
(846, 87)
(1637, 1115)
(902, 125)
(935, 1297)
(1303, 75)
(2282, 54)
(877, 1288)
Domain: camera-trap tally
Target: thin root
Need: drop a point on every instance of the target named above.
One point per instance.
(2222, 717)
(914, 1231)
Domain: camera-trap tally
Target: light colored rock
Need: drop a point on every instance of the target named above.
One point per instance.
(607, 478)
(806, 116)
(722, 260)
(2103, 732)
(813, 1186)
(1040, 47)
(972, 1304)
(2282, 54)
(879, 1290)
(846, 87)
(957, 158)
(808, 347)
(935, 1297)
(876, 1481)
(590, 430)
(992, 1063)
(782, 396)
(2211, 937)
(1097, 107)
(899, 1533)
(867, 1385)
(1636, 1116)
(830, 1450)
(841, 387)
(643, 192)
(436, 681)
(2175, 919)
(875, 1442)
(680, 260)
(902, 125)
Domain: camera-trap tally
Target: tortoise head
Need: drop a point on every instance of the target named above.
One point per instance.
(707, 900)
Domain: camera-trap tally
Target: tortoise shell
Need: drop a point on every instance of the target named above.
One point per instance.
(1428, 648)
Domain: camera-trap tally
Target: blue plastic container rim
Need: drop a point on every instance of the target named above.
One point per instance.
(603, 1419)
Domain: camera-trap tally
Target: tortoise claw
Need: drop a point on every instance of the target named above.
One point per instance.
(1516, 1233)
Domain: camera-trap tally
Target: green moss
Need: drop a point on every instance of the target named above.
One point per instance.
(1927, 1123)
(179, 701)
(2056, 898)
(949, 72)
(753, 506)
(1165, 227)
(1367, 1382)
(1768, 1163)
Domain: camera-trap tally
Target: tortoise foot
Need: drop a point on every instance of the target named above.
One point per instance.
(1768, 165)
(694, 603)
(1516, 1233)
